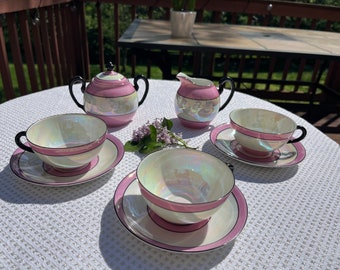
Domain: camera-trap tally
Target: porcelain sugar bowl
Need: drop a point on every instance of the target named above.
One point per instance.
(198, 100)
(110, 96)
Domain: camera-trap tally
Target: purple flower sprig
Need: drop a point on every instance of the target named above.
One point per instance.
(153, 136)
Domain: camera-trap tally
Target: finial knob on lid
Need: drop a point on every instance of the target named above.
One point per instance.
(110, 66)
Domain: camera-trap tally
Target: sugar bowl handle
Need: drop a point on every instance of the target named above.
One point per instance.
(77, 79)
(302, 135)
(20, 144)
(221, 84)
(136, 86)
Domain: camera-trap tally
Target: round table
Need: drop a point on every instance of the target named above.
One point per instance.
(293, 213)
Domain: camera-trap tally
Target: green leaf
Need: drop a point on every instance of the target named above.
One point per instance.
(151, 147)
(167, 123)
(132, 146)
(153, 133)
(146, 140)
(149, 143)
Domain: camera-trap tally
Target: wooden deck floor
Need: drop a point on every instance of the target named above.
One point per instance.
(334, 136)
(327, 123)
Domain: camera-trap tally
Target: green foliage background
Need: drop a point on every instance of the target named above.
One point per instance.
(108, 26)
(158, 13)
(124, 21)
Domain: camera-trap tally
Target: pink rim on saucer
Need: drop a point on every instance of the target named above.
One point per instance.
(222, 227)
(222, 137)
(30, 168)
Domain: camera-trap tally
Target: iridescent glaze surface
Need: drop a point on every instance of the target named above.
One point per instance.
(68, 140)
(223, 226)
(260, 132)
(198, 100)
(196, 110)
(111, 106)
(183, 185)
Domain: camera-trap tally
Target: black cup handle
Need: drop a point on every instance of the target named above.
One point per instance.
(20, 144)
(302, 135)
(221, 84)
(77, 79)
(231, 166)
(136, 86)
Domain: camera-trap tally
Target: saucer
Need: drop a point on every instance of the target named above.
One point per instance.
(220, 229)
(290, 154)
(30, 168)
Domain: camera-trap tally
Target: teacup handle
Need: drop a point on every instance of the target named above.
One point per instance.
(20, 144)
(231, 166)
(221, 84)
(136, 86)
(302, 135)
(77, 79)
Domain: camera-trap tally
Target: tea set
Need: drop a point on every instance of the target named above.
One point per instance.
(65, 150)
(198, 100)
(180, 195)
(110, 96)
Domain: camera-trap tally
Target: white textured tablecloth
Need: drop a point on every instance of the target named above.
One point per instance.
(293, 219)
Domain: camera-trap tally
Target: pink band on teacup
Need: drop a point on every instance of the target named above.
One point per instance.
(68, 151)
(261, 135)
(181, 207)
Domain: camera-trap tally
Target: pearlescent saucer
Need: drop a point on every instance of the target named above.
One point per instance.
(30, 168)
(222, 227)
(222, 137)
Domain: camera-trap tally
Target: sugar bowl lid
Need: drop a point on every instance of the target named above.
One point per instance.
(110, 84)
(109, 75)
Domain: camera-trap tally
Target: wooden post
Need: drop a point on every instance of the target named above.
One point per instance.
(333, 81)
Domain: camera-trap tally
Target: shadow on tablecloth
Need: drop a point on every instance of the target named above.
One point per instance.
(122, 250)
(249, 173)
(16, 190)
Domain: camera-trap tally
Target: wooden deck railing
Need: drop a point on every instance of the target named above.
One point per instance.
(47, 43)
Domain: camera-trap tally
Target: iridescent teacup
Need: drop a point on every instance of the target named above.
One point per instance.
(66, 141)
(184, 186)
(260, 131)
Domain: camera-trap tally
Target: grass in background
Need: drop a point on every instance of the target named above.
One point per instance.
(157, 74)
(15, 81)
(95, 69)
